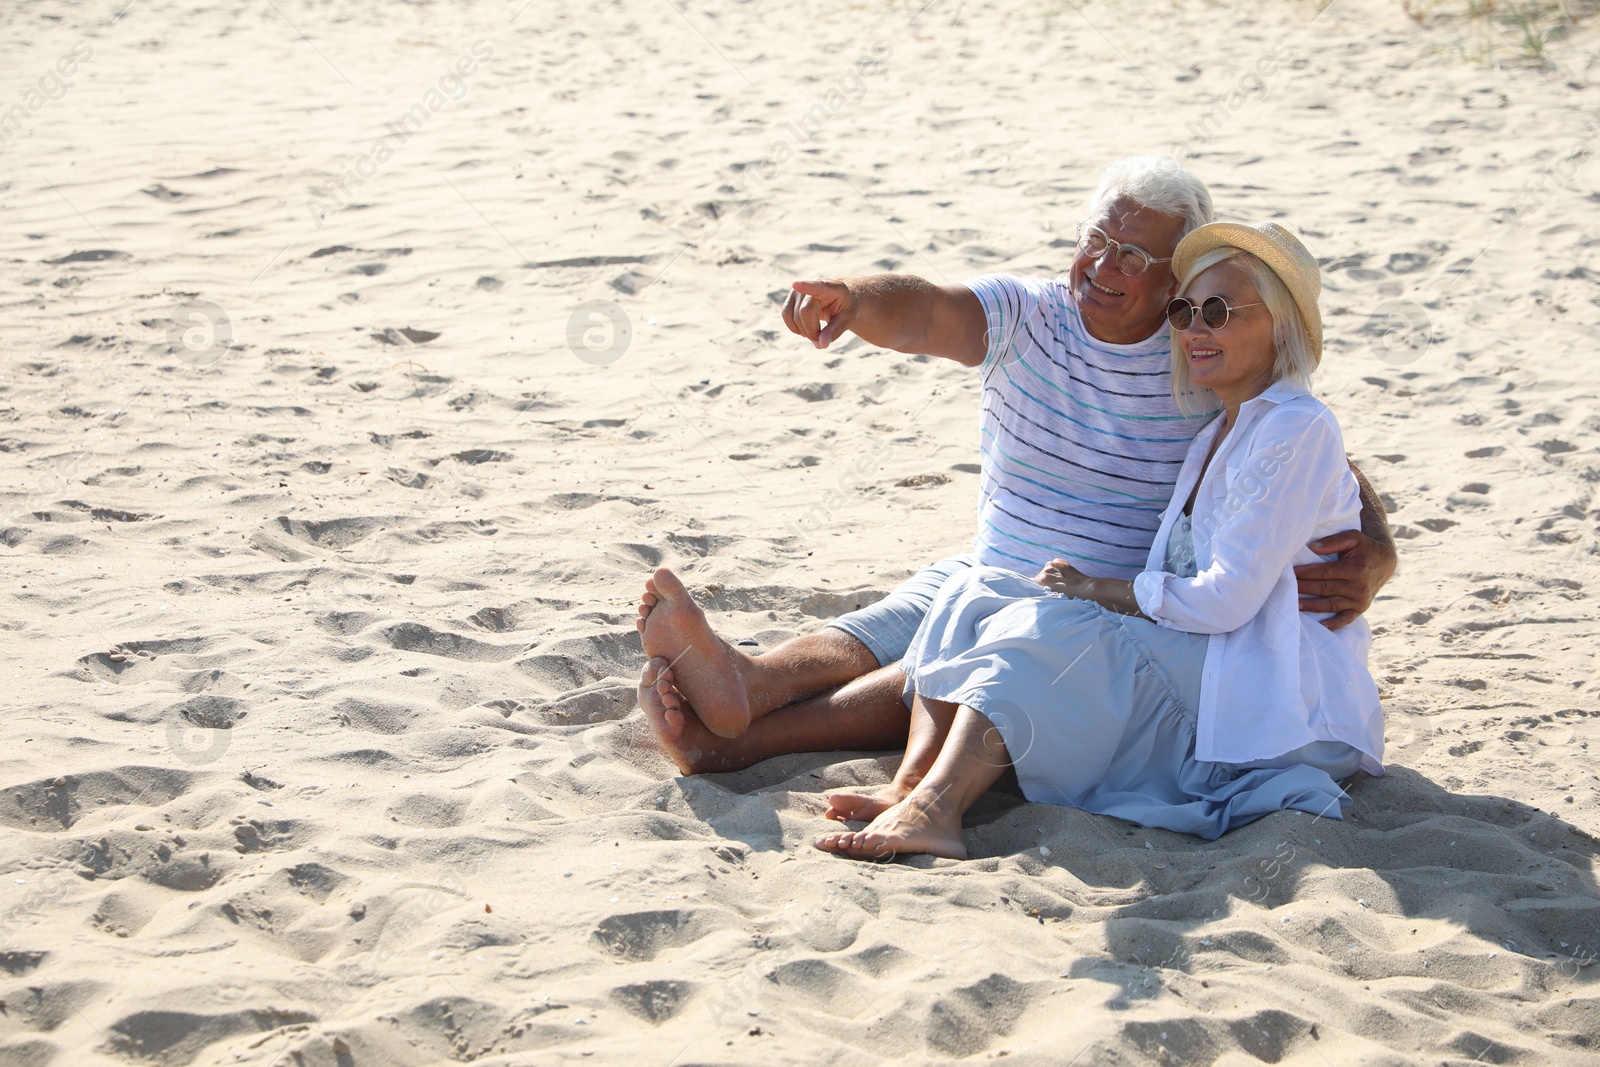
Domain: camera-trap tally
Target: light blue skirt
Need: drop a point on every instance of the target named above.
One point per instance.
(1097, 709)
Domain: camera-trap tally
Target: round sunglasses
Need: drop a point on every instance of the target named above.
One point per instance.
(1214, 312)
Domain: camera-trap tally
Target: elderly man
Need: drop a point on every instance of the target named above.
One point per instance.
(1081, 444)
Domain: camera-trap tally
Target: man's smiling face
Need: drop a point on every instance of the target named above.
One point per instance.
(1117, 308)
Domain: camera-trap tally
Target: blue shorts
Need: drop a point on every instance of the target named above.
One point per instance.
(888, 626)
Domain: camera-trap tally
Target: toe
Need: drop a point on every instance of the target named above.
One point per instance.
(847, 805)
(869, 846)
(672, 724)
(663, 583)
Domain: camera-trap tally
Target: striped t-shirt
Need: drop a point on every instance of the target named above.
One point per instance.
(1081, 439)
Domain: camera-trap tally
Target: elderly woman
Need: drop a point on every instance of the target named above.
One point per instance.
(1195, 697)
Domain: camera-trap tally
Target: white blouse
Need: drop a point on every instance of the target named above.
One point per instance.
(1275, 678)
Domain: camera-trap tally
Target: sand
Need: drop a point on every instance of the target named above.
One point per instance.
(320, 742)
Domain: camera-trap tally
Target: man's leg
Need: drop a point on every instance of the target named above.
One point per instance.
(729, 689)
(804, 666)
(866, 714)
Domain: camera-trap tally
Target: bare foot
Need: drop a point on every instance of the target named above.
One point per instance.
(916, 825)
(685, 738)
(864, 805)
(708, 673)
(668, 722)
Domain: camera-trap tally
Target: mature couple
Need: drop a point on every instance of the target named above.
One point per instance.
(1160, 617)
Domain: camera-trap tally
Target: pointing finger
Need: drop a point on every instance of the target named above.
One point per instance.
(833, 292)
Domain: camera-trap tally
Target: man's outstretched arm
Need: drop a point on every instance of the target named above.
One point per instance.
(1367, 559)
(896, 311)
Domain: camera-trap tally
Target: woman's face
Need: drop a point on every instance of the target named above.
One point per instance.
(1235, 361)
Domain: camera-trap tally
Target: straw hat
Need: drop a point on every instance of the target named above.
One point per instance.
(1277, 248)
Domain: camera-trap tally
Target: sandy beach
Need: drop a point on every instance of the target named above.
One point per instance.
(360, 361)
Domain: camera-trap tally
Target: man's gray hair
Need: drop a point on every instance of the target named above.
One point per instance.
(1158, 183)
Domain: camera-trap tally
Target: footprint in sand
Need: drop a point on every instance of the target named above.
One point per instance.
(643, 935)
(654, 1001)
(58, 802)
(821, 986)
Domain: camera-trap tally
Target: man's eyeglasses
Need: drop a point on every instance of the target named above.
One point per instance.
(1131, 260)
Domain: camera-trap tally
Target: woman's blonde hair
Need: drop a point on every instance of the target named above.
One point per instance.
(1295, 359)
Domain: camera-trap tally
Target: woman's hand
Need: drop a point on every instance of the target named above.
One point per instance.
(1062, 577)
(1112, 594)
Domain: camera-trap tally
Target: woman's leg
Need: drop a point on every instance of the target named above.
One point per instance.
(930, 725)
(928, 820)
(944, 628)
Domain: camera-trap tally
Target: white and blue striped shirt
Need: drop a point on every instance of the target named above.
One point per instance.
(1081, 440)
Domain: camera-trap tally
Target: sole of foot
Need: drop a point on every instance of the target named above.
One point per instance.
(705, 670)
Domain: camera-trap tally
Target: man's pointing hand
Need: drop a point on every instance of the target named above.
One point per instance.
(819, 311)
